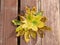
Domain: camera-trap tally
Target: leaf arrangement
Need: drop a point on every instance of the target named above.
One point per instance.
(31, 24)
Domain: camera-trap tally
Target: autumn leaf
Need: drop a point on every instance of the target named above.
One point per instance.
(27, 36)
(46, 28)
(33, 34)
(16, 22)
(43, 19)
(19, 28)
(33, 10)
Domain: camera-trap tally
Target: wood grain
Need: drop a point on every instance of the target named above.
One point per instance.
(1, 22)
(8, 13)
(29, 3)
(51, 11)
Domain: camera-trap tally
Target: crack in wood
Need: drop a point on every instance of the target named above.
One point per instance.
(18, 38)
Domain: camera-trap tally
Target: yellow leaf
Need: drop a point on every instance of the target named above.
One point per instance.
(18, 34)
(46, 28)
(27, 36)
(22, 18)
(38, 17)
(33, 11)
(34, 28)
(19, 28)
(41, 24)
(27, 10)
(24, 26)
(33, 34)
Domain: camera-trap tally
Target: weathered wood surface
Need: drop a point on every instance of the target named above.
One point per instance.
(51, 11)
(51, 8)
(7, 30)
(1, 25)
(9, 12)
(29, 3)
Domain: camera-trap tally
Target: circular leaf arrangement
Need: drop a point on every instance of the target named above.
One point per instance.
(31, 24)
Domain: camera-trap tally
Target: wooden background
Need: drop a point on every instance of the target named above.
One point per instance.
(9, 12)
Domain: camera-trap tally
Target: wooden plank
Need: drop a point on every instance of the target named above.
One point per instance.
(1, 22)
(51, 11)
(29, 3)
(9, 12)
(0, 5)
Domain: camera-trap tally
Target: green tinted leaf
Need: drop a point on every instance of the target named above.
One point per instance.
(40, 13)
(34, 22)
(28, 17)
(16, 22)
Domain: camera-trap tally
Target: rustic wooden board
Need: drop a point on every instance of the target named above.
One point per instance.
(8, 13)
(51, 11)
(29, 3)
(1, 23)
